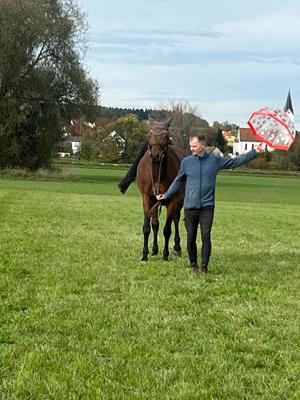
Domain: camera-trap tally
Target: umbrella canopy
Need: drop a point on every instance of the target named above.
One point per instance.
(273, 127)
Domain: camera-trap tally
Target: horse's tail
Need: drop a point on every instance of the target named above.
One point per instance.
(131, 174)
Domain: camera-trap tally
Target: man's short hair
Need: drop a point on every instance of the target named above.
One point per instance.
(201, 138)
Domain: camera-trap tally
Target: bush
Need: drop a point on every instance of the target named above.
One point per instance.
(42, 173)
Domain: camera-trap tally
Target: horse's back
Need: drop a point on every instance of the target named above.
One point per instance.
(178, 151)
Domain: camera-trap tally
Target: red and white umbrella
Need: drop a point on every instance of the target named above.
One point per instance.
(274, 127)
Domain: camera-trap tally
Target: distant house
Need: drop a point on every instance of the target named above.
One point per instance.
(74, 141)
(78, 128)
(81, 124)
(117, 142)
(229, 137)
(246, 141)
(214, 150)
(116, 136)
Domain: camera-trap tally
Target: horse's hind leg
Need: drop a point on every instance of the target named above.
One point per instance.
(177, 246)
(146, 232)
(155, 228)
(167, 235)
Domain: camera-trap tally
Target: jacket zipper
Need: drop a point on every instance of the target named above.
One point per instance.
(200, 182)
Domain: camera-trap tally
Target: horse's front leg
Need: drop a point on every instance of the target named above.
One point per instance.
(146, 233)
(155, 228)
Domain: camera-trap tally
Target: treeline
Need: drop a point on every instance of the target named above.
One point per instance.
(119, 139)
(116, 112)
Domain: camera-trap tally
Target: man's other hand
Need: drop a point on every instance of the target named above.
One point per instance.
(161, 197)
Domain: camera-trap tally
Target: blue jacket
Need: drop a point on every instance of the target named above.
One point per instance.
(198, 174)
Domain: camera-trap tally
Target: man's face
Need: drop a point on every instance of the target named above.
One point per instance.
(197, 148)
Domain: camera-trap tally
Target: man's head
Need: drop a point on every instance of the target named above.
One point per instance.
(197, 145)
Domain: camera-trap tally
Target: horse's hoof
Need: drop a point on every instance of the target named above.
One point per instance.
(166, 258)
(177, 248)
(178, 253)
(154, 253)
(144, 259)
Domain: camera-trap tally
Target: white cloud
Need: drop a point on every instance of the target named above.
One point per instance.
(270, 38)
(272, 31)
(229, 60)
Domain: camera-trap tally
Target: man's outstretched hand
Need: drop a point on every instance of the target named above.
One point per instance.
(260, 148)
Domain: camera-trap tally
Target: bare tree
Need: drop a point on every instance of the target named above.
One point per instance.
(184, 117)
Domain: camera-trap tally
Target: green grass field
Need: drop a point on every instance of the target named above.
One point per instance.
(82, 318)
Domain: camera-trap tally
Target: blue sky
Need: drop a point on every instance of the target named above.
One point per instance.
(226, 58)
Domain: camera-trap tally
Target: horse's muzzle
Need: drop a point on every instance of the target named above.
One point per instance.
(156, 159)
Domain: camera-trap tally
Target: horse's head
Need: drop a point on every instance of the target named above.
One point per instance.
(158, 139)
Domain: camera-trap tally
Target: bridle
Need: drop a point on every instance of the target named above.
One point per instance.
(155, 185)
(163, 149)
(162, 153)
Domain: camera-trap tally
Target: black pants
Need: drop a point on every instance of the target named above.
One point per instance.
(194, 217)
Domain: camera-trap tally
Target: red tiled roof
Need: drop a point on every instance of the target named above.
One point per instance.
(227, 134)
(246, 135)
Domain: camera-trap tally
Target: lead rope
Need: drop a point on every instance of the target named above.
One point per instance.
(155, 187)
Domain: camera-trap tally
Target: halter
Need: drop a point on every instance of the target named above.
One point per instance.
(155, 186)
(163, 150)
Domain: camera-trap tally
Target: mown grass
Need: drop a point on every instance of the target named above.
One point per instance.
(82, 318)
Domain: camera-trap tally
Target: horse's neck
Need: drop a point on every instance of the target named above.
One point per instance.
(159, 170)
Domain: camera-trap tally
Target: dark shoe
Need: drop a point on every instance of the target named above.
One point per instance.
(195, 268)
(204, 268)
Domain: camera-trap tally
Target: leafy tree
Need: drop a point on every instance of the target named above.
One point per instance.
(220, 141)
(42, 80)
(87, 151)
(110, 146)
(294, 156)
(133, 132)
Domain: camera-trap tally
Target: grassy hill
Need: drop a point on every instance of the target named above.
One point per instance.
(82, 318)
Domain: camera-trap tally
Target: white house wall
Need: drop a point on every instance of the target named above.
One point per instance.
(245, 147)
(75, 147)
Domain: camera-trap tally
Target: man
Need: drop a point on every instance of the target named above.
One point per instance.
(198, 173)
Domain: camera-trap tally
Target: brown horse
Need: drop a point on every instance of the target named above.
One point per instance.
(156, 171)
